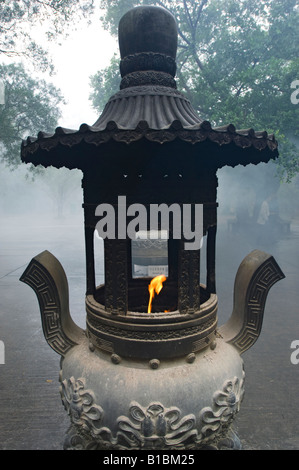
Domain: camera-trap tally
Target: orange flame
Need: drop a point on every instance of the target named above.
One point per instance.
(155, 286)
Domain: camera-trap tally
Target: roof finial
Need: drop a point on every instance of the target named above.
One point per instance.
(148, 44)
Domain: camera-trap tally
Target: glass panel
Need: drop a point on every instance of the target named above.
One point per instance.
(150, 254)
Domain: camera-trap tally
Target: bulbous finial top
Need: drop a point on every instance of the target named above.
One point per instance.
(148, 29)
(148, 42)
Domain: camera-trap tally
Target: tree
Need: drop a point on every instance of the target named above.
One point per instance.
(105, 84)
(29, 106)
(236, 62)
(62, 186)
(54, 16)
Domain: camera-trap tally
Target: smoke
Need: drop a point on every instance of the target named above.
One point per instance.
(256, 211)
(46, 213)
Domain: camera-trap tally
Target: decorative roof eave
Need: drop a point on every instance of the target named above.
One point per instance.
(33, 149)
(148, 108)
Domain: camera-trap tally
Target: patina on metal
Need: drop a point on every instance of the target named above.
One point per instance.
(162, 380)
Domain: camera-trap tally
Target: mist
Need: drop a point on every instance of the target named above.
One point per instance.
(34, 219)
(44, 211)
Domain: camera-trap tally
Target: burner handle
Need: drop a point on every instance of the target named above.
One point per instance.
(257, 273)
(46, 276)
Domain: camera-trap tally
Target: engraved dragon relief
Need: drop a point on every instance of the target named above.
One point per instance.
(151, 427)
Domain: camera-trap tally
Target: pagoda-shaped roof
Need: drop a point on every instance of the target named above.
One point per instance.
(148, 106)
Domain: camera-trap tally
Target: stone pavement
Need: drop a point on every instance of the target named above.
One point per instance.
(31, 414)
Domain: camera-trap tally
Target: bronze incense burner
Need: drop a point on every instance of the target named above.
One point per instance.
(168, 378)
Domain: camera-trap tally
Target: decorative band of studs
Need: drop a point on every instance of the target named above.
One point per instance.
(141, 78)
(145, 61)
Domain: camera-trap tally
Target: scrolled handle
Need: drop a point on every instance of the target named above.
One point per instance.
(45, 275)
(256, 275)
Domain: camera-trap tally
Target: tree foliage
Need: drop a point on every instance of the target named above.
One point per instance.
(103, 85)
(54, 16)
(29, 106)
(236, 62)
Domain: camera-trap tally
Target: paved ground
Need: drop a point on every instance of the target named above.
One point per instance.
(31, 414)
